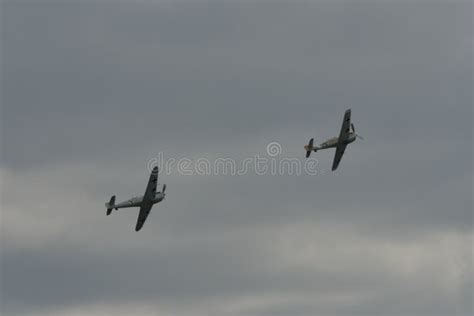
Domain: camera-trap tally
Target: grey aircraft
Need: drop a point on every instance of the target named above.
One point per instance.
(347, 135)
(145, 202)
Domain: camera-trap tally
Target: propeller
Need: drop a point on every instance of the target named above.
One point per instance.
(354, 130)
(163, 191)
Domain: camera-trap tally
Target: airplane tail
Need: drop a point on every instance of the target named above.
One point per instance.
(310, 147)
(110, 205)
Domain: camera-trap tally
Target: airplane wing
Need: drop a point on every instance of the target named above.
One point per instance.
(346, 126)
(151, 186)
(147, 197)
(338, 156)
(144, 211)
(343, 135)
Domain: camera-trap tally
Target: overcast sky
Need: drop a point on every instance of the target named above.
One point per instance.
(92, 90)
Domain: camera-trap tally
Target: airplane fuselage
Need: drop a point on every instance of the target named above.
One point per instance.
(137, 201)
(332, 142)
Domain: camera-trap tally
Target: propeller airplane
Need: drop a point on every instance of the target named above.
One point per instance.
(347, 135)
(145, 202)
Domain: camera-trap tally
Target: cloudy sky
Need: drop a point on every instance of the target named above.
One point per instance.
(94, 89)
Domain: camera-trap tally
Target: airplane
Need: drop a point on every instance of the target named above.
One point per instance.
(145, 202)
(347, 135)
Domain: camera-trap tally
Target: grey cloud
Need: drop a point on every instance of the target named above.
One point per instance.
(220, 88)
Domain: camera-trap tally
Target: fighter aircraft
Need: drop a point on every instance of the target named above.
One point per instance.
(347, 135)
(145, 202)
